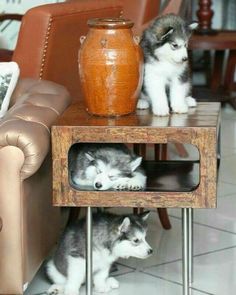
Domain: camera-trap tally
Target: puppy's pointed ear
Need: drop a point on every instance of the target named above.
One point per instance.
(124, 227)
(193, 25)
(135, 163)
(144, 216)
(167, 32)
(89, 156)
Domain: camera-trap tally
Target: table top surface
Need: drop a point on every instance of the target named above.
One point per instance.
(206, 114)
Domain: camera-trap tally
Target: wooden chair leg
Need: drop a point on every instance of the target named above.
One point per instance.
(182, 152)
(137, 211)
(74, 214)
(164, 218)
(140, 149)
(229, 83)
(161, 153)
(164, 153)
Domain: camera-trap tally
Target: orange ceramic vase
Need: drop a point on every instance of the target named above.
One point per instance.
(110, 67)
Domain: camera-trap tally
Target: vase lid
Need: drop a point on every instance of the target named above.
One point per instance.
(110, 23)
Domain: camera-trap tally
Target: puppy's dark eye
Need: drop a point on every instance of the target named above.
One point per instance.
(136, 241)
(174, 46)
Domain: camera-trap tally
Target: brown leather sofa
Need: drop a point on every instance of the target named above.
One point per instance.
(30, 225)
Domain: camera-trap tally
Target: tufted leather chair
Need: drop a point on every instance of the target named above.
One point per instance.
(29, 224)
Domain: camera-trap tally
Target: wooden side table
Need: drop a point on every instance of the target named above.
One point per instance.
(186, 185)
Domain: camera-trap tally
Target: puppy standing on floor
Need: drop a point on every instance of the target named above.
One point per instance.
(166, 67)
(114, 236)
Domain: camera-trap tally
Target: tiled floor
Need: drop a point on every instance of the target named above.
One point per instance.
(214, 241)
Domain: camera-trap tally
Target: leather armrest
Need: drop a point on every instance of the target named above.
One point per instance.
(27, 123)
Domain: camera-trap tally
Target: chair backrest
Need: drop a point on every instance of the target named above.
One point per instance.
(180, 7)
(141, 12)
(49, 39)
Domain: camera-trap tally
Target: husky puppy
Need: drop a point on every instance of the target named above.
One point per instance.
(114, 236)
(166, 68)
(105, 166)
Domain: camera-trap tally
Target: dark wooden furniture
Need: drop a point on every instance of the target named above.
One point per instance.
(184, 184)
(205, 14)
(221, 84)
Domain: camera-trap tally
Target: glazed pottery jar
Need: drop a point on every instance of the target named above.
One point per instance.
(110, 67)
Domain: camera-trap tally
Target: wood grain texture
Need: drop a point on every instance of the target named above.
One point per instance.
(198, 128)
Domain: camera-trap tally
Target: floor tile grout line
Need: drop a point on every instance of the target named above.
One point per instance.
(124, 273)
(225, 196)
(195, 256)
(161, 278)
(122, 264)
(206, 225)
(215, 251)
(225, 182)
(222, 180)
(204, 292)
(174, 282)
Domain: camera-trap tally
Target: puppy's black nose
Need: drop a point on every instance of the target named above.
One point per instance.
(150, 251)
(98, 185)
(184, 58)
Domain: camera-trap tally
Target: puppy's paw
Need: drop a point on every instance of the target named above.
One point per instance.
(161, 110)
(191, 102)
(120, 184)
(142, 104)
(113, 283)
(103, 288)
(71, 292)
(180, 109)
(55, 290)
(134, 184)
(120, 187)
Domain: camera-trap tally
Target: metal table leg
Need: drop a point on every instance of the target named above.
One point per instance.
(190, 244)
(185, 248)
(89, 274)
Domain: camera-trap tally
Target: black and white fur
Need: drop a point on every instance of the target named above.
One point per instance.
(105, 166)
(114, 236)
(166, 68)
